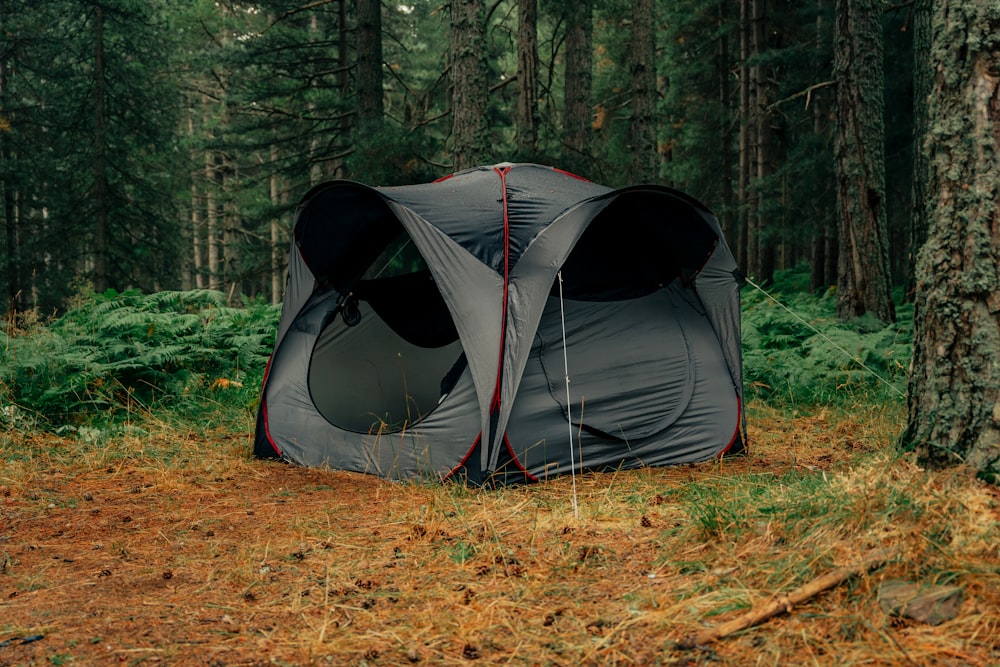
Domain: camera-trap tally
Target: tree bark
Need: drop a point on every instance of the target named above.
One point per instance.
(276, 241)
(760, 245)
(954, 385)
(12, 266)
(212, 220)
(100, 174)
(197, 209)
(722, 73)
(369, 62)
(823, 254)
(864, 277)
(746, 148)
(527, 78)
(469, 143)
(923, 75)
(577, 109)
(642, 128)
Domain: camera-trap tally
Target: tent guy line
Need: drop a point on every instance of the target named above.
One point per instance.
(825, 337)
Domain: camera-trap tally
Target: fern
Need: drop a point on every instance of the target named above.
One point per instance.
(113, 349)
(817, 361)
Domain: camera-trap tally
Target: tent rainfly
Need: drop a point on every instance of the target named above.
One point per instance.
(504, 324)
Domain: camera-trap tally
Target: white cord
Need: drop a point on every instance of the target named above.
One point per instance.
(569, 408)
(827, 338)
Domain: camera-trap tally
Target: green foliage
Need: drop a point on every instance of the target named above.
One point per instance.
(800, 353)
(131, 350)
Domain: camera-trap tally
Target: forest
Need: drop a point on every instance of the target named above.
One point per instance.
(164, 145)
(152, 156)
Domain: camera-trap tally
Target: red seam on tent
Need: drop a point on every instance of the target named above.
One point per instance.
(495, 403)
(263, 408)
(465, 459)
(517, 462)
(736, 433)
(571, 175)
(443, 178)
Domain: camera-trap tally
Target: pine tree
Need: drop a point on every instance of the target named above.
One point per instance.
(954, 386)
(864, 279)
(467, 70)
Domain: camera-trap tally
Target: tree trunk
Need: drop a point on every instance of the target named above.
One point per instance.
(231, 250)
(197, 224)
(761, 241)
(954, 386)
(864, 278)
(722, 73)
(369, 78)
(823, 254)
(212, 219)
(527, 78)
(100, 174)
(317, 173)
(642, 128)
(12, 266)
(277, 247)
(923, 76)
(746, 149)
(577, 109)
(469, 144)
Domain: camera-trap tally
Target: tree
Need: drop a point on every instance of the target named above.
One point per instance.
(642, 126)
(88, 165)
(468, 84)
(756, 155)
(954, 386)
(369, 64)
(923, 73)
(527, 78)
(578, 86)
(864, 279)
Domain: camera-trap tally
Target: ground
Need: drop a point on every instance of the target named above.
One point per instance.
(178, 548)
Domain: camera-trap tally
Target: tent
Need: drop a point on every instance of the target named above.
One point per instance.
(504, 324)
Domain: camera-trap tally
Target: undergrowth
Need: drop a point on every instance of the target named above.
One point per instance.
(113, 356)
(796, 351)
(190, 354)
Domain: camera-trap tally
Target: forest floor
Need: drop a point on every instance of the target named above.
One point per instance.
(169, 546)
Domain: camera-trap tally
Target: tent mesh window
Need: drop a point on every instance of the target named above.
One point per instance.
(386, 358)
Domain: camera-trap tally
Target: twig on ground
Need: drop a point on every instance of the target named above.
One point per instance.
(783, 603)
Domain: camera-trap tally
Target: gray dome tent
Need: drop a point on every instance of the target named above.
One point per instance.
(429, 330)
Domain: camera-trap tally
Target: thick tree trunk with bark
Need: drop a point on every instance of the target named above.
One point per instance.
(577, 110)
(954, 387)
(469, 141)
(642, 128)
(527, 78)
(923, 74)
(864, 278)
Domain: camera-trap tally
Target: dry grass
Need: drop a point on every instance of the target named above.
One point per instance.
(175, 548)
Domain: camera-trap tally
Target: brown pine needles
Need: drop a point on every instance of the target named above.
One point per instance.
(159, 546)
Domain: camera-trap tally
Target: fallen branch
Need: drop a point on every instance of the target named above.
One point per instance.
(783, 603)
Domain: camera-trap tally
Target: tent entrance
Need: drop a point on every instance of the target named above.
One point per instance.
(387, 357)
